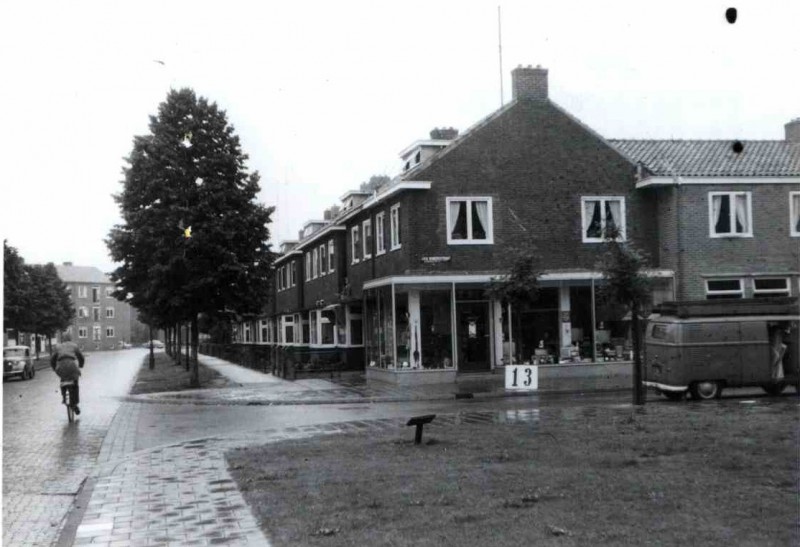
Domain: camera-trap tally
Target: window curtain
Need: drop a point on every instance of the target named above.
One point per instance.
(613, 214)
(592, 216)
(481, 208)
(796, 212)
(741, 214)
(457, 220)
(716, 209)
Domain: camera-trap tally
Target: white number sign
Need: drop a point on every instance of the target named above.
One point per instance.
(522, 377)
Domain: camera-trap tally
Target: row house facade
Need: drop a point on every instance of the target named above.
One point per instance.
(396, 279)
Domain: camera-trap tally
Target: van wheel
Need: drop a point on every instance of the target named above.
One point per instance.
(674, 395)
(774, 389)
(705, 390)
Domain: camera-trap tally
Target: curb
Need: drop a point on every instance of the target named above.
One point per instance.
(147, 399)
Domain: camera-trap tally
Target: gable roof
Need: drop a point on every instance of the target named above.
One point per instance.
(81, 274)
(713, 158)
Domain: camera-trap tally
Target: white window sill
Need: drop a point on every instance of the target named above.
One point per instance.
(395, 247)
(730, 236)
(379, 253)
(470, 242)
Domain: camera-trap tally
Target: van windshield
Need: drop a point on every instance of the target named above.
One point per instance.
(14, 352)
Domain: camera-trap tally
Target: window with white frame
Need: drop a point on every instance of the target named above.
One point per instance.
(724, 288)
(771, 286)
(83, 312)
(380, 242)
(293, 274)
(794, 213)
(263, 331)
(279, 278)
(314, 263)
(331, 252)
(323, 259)
(366, 226)
(469, 220)
(327, 327)
(312, 320)
(83, 332)
(96, 313)
(308, 266)
(730, 214)
(394, 228)
(96, 332)
(599, 214)
(287, 329)
(81, 291)
(95, 294)
(109, 290)
(109, 313)
(246, 332)
(109, 332)
(355, 241)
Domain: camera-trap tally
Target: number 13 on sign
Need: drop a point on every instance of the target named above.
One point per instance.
(522, 377)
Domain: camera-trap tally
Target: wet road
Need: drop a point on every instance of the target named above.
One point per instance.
(46, 459)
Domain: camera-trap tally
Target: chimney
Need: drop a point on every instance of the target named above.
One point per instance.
(326, 215)
(793, 131)
(529, 83)
(299, 235)
(70, 263)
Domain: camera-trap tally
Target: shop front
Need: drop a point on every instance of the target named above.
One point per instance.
(429, 329)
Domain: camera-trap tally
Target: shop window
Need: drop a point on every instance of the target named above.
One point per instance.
(730, 214)
(469, 220)
(436, 343)
(355, 241)
(771, 286)
(724, 288)
(379, 328)
(599, 214)
(379, 234)
(794, 213)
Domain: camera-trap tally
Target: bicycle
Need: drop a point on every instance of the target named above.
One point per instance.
(68, 399)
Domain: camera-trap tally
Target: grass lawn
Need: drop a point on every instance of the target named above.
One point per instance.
(167, 376)
(673, 474)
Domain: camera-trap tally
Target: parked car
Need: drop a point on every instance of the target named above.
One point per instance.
(702, 347)
(18, 361)
(157, 344)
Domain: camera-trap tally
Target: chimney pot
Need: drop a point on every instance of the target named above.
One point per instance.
(793, 131)
(529, 83)
(67, 263)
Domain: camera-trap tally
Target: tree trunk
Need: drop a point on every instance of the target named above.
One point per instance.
(36, 344)
(195, 364)
(187, 344)
(638, 391)
(152, 352)
(178, 344)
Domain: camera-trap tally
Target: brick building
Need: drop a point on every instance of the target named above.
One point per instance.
(101, 322)
(396, 279)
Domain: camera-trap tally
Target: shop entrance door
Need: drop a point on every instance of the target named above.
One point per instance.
(473, 336)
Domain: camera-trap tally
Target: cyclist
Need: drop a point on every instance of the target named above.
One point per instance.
(67, 360)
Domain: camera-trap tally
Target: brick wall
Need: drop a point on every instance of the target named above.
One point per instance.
(536, 163)
(328, 286)
(771, 249)
(121, 320)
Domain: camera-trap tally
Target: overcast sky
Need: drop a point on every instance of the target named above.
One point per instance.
(325, 94)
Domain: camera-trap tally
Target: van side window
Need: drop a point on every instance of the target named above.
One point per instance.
(660, 331)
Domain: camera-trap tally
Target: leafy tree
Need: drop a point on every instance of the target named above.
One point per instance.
(374, 182)
(193, 238)
(49, 308)
(623, 266)
(15, 287)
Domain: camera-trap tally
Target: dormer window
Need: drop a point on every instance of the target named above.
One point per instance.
(417, 156)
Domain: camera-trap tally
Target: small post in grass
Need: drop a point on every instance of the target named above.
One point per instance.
(420, 421)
